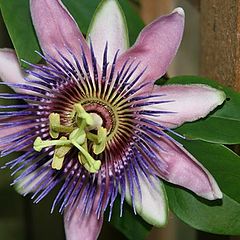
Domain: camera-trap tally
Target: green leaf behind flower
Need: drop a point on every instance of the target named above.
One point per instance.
(220, 216)
(220, 126)
(17, 18)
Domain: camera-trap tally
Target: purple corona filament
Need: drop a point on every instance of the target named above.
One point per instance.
(129, 152)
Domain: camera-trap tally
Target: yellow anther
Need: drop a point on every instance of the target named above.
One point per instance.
(54, 120)
(55, 126)
(57, 162)
(99, 148)
(102, 134)
(100, 145)
(63, 129)
(59, 155)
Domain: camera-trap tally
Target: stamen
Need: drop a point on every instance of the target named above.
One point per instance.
(39, 144)
(82, 114)
(56, 127)
(90, 164)
(102, 140)
(59, 155)
(79, 135)
(54, 120)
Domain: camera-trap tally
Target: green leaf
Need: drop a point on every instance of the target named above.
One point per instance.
(17, 18)
(82, 11)
(132, 226)
(222, 125)
(220, 216)
(213, 129)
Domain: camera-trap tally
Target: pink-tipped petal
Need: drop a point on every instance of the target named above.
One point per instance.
(56, 29)
(156, 46)
(10, 70)
(186, 171)
(187, 103)
(108, 26)
(81, 225)
(86, 227)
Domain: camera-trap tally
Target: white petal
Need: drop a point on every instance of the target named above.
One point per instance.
(10, 70)
(187, 103)
(152, 207)
(108, 25)
(28, 185)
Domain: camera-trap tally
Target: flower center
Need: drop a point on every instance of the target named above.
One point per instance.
(86, 134)
(107, 113)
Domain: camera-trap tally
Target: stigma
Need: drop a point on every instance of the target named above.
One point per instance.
(86, 134)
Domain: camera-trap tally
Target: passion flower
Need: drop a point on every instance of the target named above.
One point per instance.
(94, 122)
